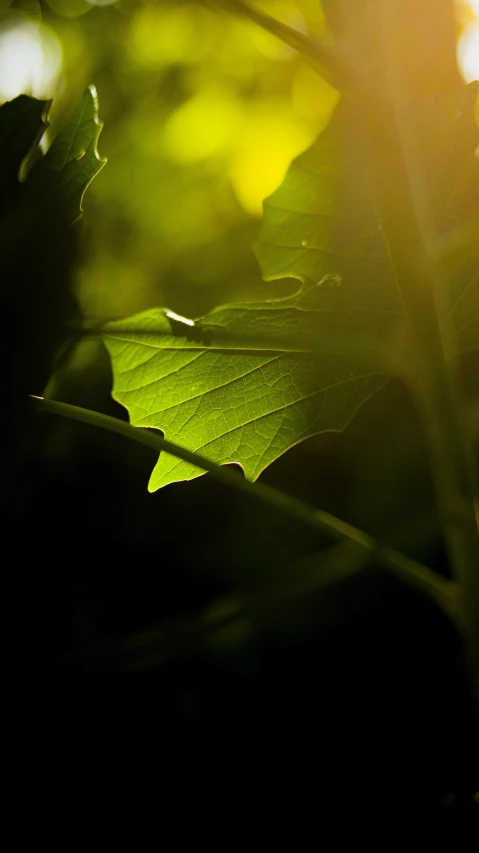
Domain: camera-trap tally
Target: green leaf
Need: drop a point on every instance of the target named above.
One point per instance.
(73, 160)
(39, 200)
(320, 222)
(70, 164)
(250, 380)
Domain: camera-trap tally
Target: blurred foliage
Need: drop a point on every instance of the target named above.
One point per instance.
(203, 113)
(40, 205)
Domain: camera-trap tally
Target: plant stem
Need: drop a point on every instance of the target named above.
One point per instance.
(441, 591)
(402, 200)
(323, 57)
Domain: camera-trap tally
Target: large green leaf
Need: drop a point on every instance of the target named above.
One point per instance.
(249, 381)
(320, 221)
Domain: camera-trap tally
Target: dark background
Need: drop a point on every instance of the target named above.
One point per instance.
(353, 693)
(358, 692)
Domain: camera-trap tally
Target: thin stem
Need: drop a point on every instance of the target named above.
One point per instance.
(402, 201)
(441, 591)
(323, 57)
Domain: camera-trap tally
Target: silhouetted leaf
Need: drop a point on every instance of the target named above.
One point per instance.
(73, 157)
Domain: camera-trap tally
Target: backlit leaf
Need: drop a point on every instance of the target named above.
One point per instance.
(249, 381)
(73, 160)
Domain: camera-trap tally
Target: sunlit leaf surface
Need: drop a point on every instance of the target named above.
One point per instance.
(249, 381)
(214, 389)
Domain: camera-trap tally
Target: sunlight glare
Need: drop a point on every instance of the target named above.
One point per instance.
(468, 45)
(203, 126)
(468, 53)
(30, 61)
(179, 319)
(271, 136)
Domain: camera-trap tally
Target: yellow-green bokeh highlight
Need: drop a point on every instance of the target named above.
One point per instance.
(203, 114)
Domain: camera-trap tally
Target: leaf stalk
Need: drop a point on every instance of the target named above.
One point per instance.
(382, 118)
(442, 592)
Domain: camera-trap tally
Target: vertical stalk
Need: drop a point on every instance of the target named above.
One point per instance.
(400, 194)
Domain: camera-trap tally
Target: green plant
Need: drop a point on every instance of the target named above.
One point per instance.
(378, 221)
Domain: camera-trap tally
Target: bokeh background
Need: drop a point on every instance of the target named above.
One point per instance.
(203, 112)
